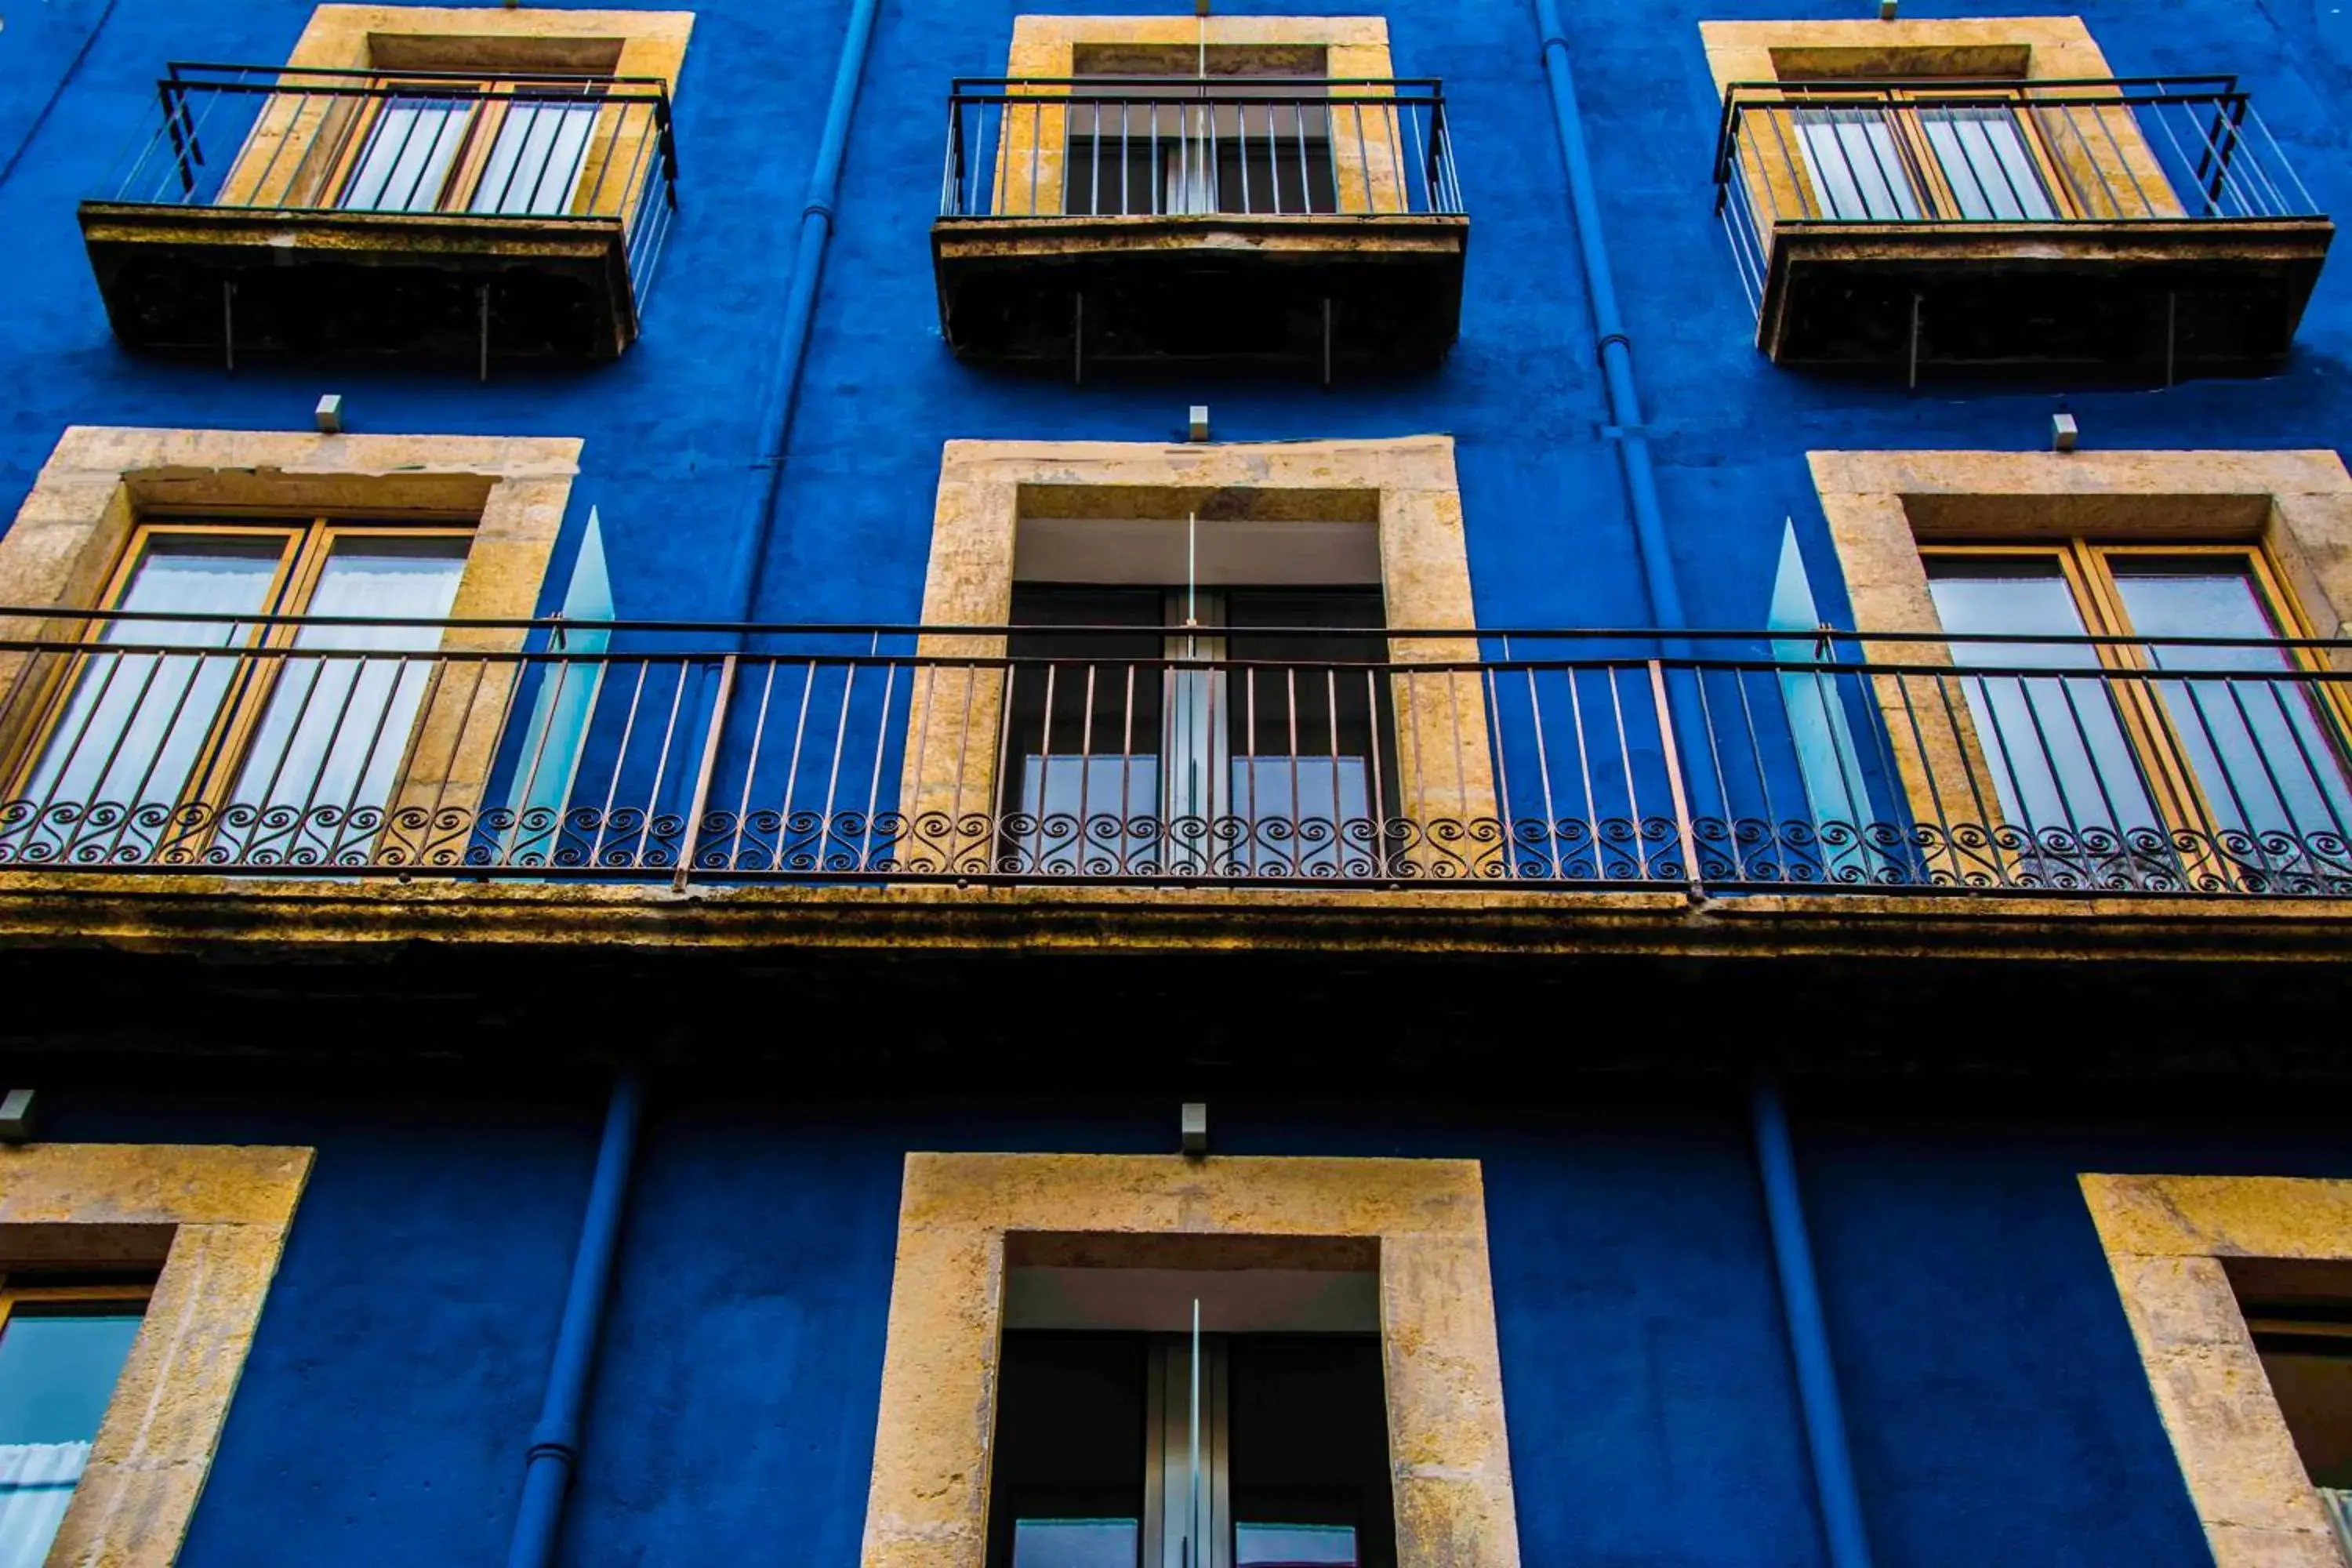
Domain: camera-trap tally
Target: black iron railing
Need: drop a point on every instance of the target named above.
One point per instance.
(1156, 146)
(1722, 761)
(1945, 151)
(549, 148)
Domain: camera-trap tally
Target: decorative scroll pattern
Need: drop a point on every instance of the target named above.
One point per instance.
(626, 842)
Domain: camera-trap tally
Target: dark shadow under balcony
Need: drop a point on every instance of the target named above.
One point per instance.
(1107, 221)
(397, 214)
(2149, 225)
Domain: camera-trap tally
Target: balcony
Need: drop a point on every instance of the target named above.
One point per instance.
(414, 215)
(1106, 221)
(2152, 226)
(1736, 765)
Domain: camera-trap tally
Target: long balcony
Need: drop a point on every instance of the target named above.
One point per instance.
(2152, 227)
(1103, 221)
(422, 216)
(1714, 764)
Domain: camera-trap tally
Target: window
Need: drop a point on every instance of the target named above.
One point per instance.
(1201, 143)
(2124, 747)
(223, 751)
(63, 1340)
(486, 146)
(1242, 729)
(1969, 156)
(1154, 1418)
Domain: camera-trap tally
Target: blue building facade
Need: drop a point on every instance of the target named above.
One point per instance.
(674, 693)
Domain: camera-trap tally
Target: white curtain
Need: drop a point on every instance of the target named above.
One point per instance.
(335, 730)
(409, 153)
(37, 1481)
(135, 725)
(534, 165)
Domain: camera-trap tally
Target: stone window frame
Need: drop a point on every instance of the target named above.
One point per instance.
(213, 1219)
(2048, 47)
(2165, 1239)
(1045, 49)
(100, 483)
(1449, 1449)
(2294, 505)
(1406, 486)
(651, 45)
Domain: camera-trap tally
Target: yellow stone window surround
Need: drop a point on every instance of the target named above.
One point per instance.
(2107, 159)
(1405, 486)
(213, 1221)
(2168, 1240)
(1881, 506)
(100, 483)
(1049, 50)
(466, 40)
(1449, 1449)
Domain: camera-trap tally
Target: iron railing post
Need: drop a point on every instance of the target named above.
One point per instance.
(691, 841)
(1673, 756)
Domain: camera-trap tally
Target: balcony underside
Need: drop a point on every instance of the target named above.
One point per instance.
(1210, 287)
(407, 286)
(531, 973)
(2201, 297)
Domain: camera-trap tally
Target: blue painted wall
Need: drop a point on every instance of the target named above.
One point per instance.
(1998, 1407)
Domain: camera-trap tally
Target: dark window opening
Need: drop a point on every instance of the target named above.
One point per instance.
(1096, 1434)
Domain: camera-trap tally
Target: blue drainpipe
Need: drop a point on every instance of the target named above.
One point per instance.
(555, 1441)
(782, 391)
(1809, 1334)
(1609, 325)
(73, 69)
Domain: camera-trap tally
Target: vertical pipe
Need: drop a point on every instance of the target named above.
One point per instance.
(555, 1441)
(782, 393)
(1609, 325)
(1809, 1337)
(64, 81)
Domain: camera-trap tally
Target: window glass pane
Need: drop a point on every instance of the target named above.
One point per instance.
(56, 1373)
(325, 754)
(1066, 1476)
(1855, 165)
(1310, 1452)
(410, 150)
(1085, 711)
(2054, 744)
(1988, 164)
(534, 165)
(1308, 735)
(2265, 755)
(122, 751)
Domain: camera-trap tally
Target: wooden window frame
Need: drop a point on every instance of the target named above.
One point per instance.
(17, 1290)
(2148, 728)
(347, 146)
(1930, 182)
(307, 545)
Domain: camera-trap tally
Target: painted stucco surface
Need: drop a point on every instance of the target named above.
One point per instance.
(2000, 1413)
(1999, 1409)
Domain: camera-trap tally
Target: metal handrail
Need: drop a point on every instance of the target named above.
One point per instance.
(1990, 153)
(1256, 146)
(295, 138)
(1361, 759)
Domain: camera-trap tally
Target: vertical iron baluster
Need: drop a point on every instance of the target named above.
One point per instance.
(619, 761)
(1673, 758)
(1543, 768)
(874, 781)
(792, 768)
(699, 800)
(751, 773)
(833, 774)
